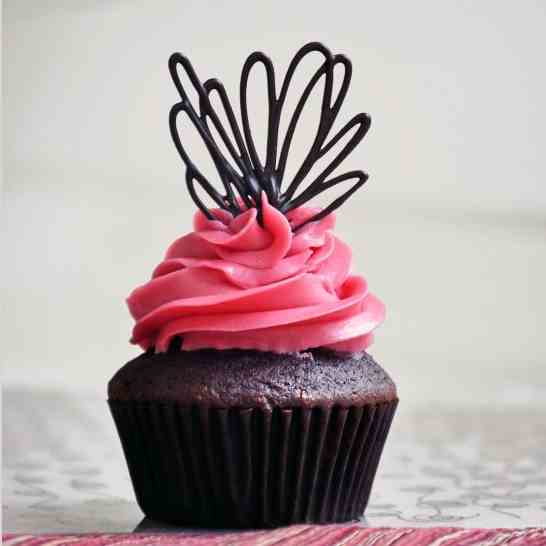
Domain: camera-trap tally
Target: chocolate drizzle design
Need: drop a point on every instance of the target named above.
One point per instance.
(247, 177)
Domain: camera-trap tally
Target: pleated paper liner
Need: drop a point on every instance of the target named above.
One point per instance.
(251, 467)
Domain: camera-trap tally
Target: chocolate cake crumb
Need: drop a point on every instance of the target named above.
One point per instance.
(243, 378)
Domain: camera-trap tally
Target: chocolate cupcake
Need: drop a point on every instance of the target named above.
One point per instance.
(255, 402)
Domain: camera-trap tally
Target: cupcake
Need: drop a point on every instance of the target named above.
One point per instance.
(255, 402)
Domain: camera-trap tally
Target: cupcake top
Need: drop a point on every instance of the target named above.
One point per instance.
(262, 269)
(250, 379)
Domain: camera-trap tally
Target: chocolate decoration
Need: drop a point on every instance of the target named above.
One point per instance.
(246, 177)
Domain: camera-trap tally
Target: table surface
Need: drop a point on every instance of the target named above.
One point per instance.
(63, 468)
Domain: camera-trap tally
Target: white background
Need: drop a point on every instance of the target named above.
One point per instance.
(449, 231)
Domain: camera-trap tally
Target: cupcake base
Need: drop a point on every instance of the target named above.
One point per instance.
(260, 467)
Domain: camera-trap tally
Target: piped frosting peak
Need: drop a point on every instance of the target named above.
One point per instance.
(233, 283)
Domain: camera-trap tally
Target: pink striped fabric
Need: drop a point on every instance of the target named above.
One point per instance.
(315, 535)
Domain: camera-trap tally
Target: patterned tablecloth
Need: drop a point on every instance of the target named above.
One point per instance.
(316, 535)
(64, 470)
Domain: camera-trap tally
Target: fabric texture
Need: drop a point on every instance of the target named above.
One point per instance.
(318, 535)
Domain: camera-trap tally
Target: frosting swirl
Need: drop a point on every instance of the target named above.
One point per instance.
(234, 284)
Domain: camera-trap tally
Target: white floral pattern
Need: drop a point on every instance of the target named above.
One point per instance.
(64, 469)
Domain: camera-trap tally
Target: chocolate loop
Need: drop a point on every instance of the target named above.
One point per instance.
(243, 174)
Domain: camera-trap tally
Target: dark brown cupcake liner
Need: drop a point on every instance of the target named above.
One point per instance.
(251, 467)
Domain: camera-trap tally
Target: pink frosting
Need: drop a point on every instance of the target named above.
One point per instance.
(234, 284)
